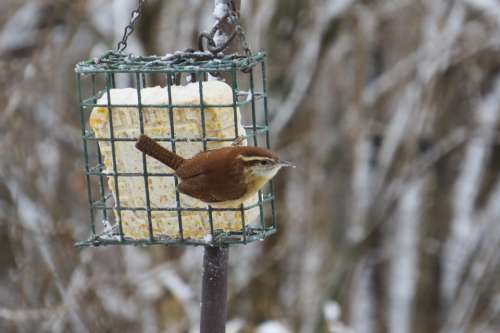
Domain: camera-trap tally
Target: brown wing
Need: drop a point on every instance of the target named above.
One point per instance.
(209, 178)
(195, 166)
(205, 188)
(204, 162)
(196, 189)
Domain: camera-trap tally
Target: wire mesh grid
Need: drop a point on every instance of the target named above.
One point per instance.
(96, 78)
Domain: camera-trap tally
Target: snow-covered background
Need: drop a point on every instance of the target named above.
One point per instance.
(391, 222)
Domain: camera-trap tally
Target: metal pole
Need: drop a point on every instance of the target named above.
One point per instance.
(214, 293)
(214, 288)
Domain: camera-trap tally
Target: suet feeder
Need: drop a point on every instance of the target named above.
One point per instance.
(188, 101)
(133, 198)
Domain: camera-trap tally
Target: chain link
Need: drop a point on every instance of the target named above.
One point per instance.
(129, 29)
(233, 17)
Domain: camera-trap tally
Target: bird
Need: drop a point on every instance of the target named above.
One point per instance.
(223, 177)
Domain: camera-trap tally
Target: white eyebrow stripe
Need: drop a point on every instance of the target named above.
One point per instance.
(254, 158)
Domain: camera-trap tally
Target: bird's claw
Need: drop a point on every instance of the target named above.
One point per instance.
(239, 141)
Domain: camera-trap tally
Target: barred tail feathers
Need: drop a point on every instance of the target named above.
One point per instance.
(150, 147)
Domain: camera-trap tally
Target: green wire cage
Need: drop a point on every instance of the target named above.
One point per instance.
(145, 80)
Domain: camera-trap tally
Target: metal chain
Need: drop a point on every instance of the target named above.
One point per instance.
(233, 18)
(209, 36)
(129, 29)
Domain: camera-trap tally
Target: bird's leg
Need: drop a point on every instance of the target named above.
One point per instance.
(239, 141)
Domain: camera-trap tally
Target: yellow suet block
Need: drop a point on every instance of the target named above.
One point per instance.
(219, 123)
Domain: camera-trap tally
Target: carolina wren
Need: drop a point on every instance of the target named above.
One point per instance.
(225, 176)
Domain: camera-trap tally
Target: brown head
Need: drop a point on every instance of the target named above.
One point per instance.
(260, 162)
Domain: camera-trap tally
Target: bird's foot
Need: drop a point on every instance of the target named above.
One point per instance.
(239, 140)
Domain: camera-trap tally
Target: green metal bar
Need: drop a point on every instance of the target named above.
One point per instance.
(85, 152)
(243, 224)
(223, 238)
(204, 140)
(266, 112)
(234, 86)
(109, 81)
(93, 172)
(101, 181)
(202, 113)
(268, 198)
(173, 144)
(261, 202)
(144, 160)
(89, 102)
(254, 117)
(268, 142)
(99, 156)
(151, 64)
(256, 142)
(91, 69)
(91, 137)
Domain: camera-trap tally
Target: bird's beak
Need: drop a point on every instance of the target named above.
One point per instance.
(286, 164)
